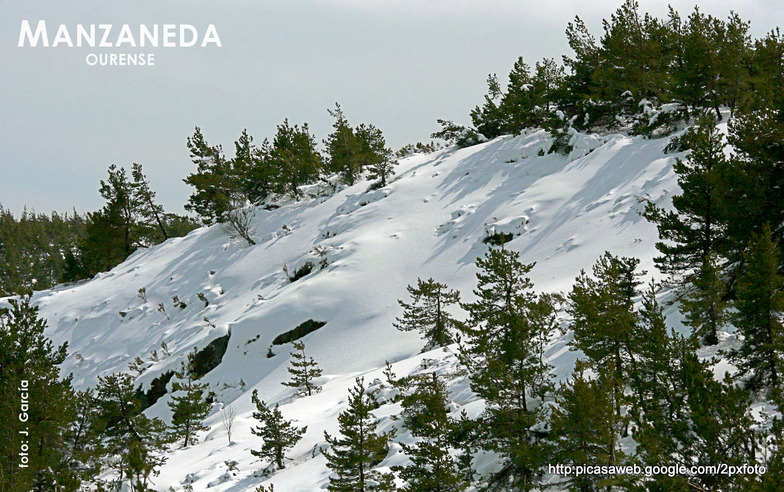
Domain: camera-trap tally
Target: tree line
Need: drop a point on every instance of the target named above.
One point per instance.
(282, 165)
(38, 251)
(639, 62)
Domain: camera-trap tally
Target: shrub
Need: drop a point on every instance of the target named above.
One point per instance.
(300, 272)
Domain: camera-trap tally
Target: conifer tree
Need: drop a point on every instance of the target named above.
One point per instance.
(383, 169)
(35, 403)
(293, 157)
(425, 415)
(279, 434)
(149, 211)
(660, 406)
(213, 180)
(586, 428)
(353, 456)
(760, 304)
(303, 371)
(135, 442)
(188, 409)
(489, 119)
(602, 309)
(427, 313)
(501, 353)
(705, 306)
(695, 229)
(82, 439)
(343, 148)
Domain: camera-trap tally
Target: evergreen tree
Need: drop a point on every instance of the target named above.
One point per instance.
(660, 406)
(294, 157)
(213, 180)
(425, 415)
(303, 371)
(604, 321)
(35, 403)
(752, 192)
(517, 104)
(705, 306)
(502, 355)
(694, 230)
(427, 313)
(579, 83)
(150, 212)
(343, 148)
(489, 119)
(353, 456)
(760, 304)
(696, 72)
(586, 428)
(279, 435)
(135, 442)
(189, 409)
(633, 56)
(82, 439)
(382, 169)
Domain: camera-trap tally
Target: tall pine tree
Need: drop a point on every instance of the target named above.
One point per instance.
(760, 305)
(426, 416)
(353, 456)
(188, 409)
(502, 355)
(428, 312)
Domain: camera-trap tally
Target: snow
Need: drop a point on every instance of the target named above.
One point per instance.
(431, 219)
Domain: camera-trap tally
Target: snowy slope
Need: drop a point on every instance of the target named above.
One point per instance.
(564, 211)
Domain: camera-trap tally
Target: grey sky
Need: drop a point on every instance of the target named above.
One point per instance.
(398, 64)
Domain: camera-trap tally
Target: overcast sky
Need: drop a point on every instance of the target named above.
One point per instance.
(399, 64)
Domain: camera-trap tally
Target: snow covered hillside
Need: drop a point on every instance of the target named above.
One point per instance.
(430, 221)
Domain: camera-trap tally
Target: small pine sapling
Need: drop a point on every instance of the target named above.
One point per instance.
(303, 371)
(279, 435)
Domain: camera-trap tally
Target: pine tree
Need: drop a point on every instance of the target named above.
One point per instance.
(150, 212)
(427, 313)
(383, 169)
(660, 406)
(213, 180)
(343, 148)
(705, 306)
(303, 371)
(82, 439)
(294, 158)
(35, 403)
(136, 442)
(760, 304)
(694, 231)
(502, 355)
(489, 119)
(517, 104)
(353, 456)
(586, 428)
(425, 415)
(279, 435)
(189, 409)
(752, 195)
(602, 309)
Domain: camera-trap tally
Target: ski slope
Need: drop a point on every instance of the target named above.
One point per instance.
(430, 221)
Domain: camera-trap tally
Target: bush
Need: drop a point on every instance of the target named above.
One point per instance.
(498, 238)
(300, 272)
